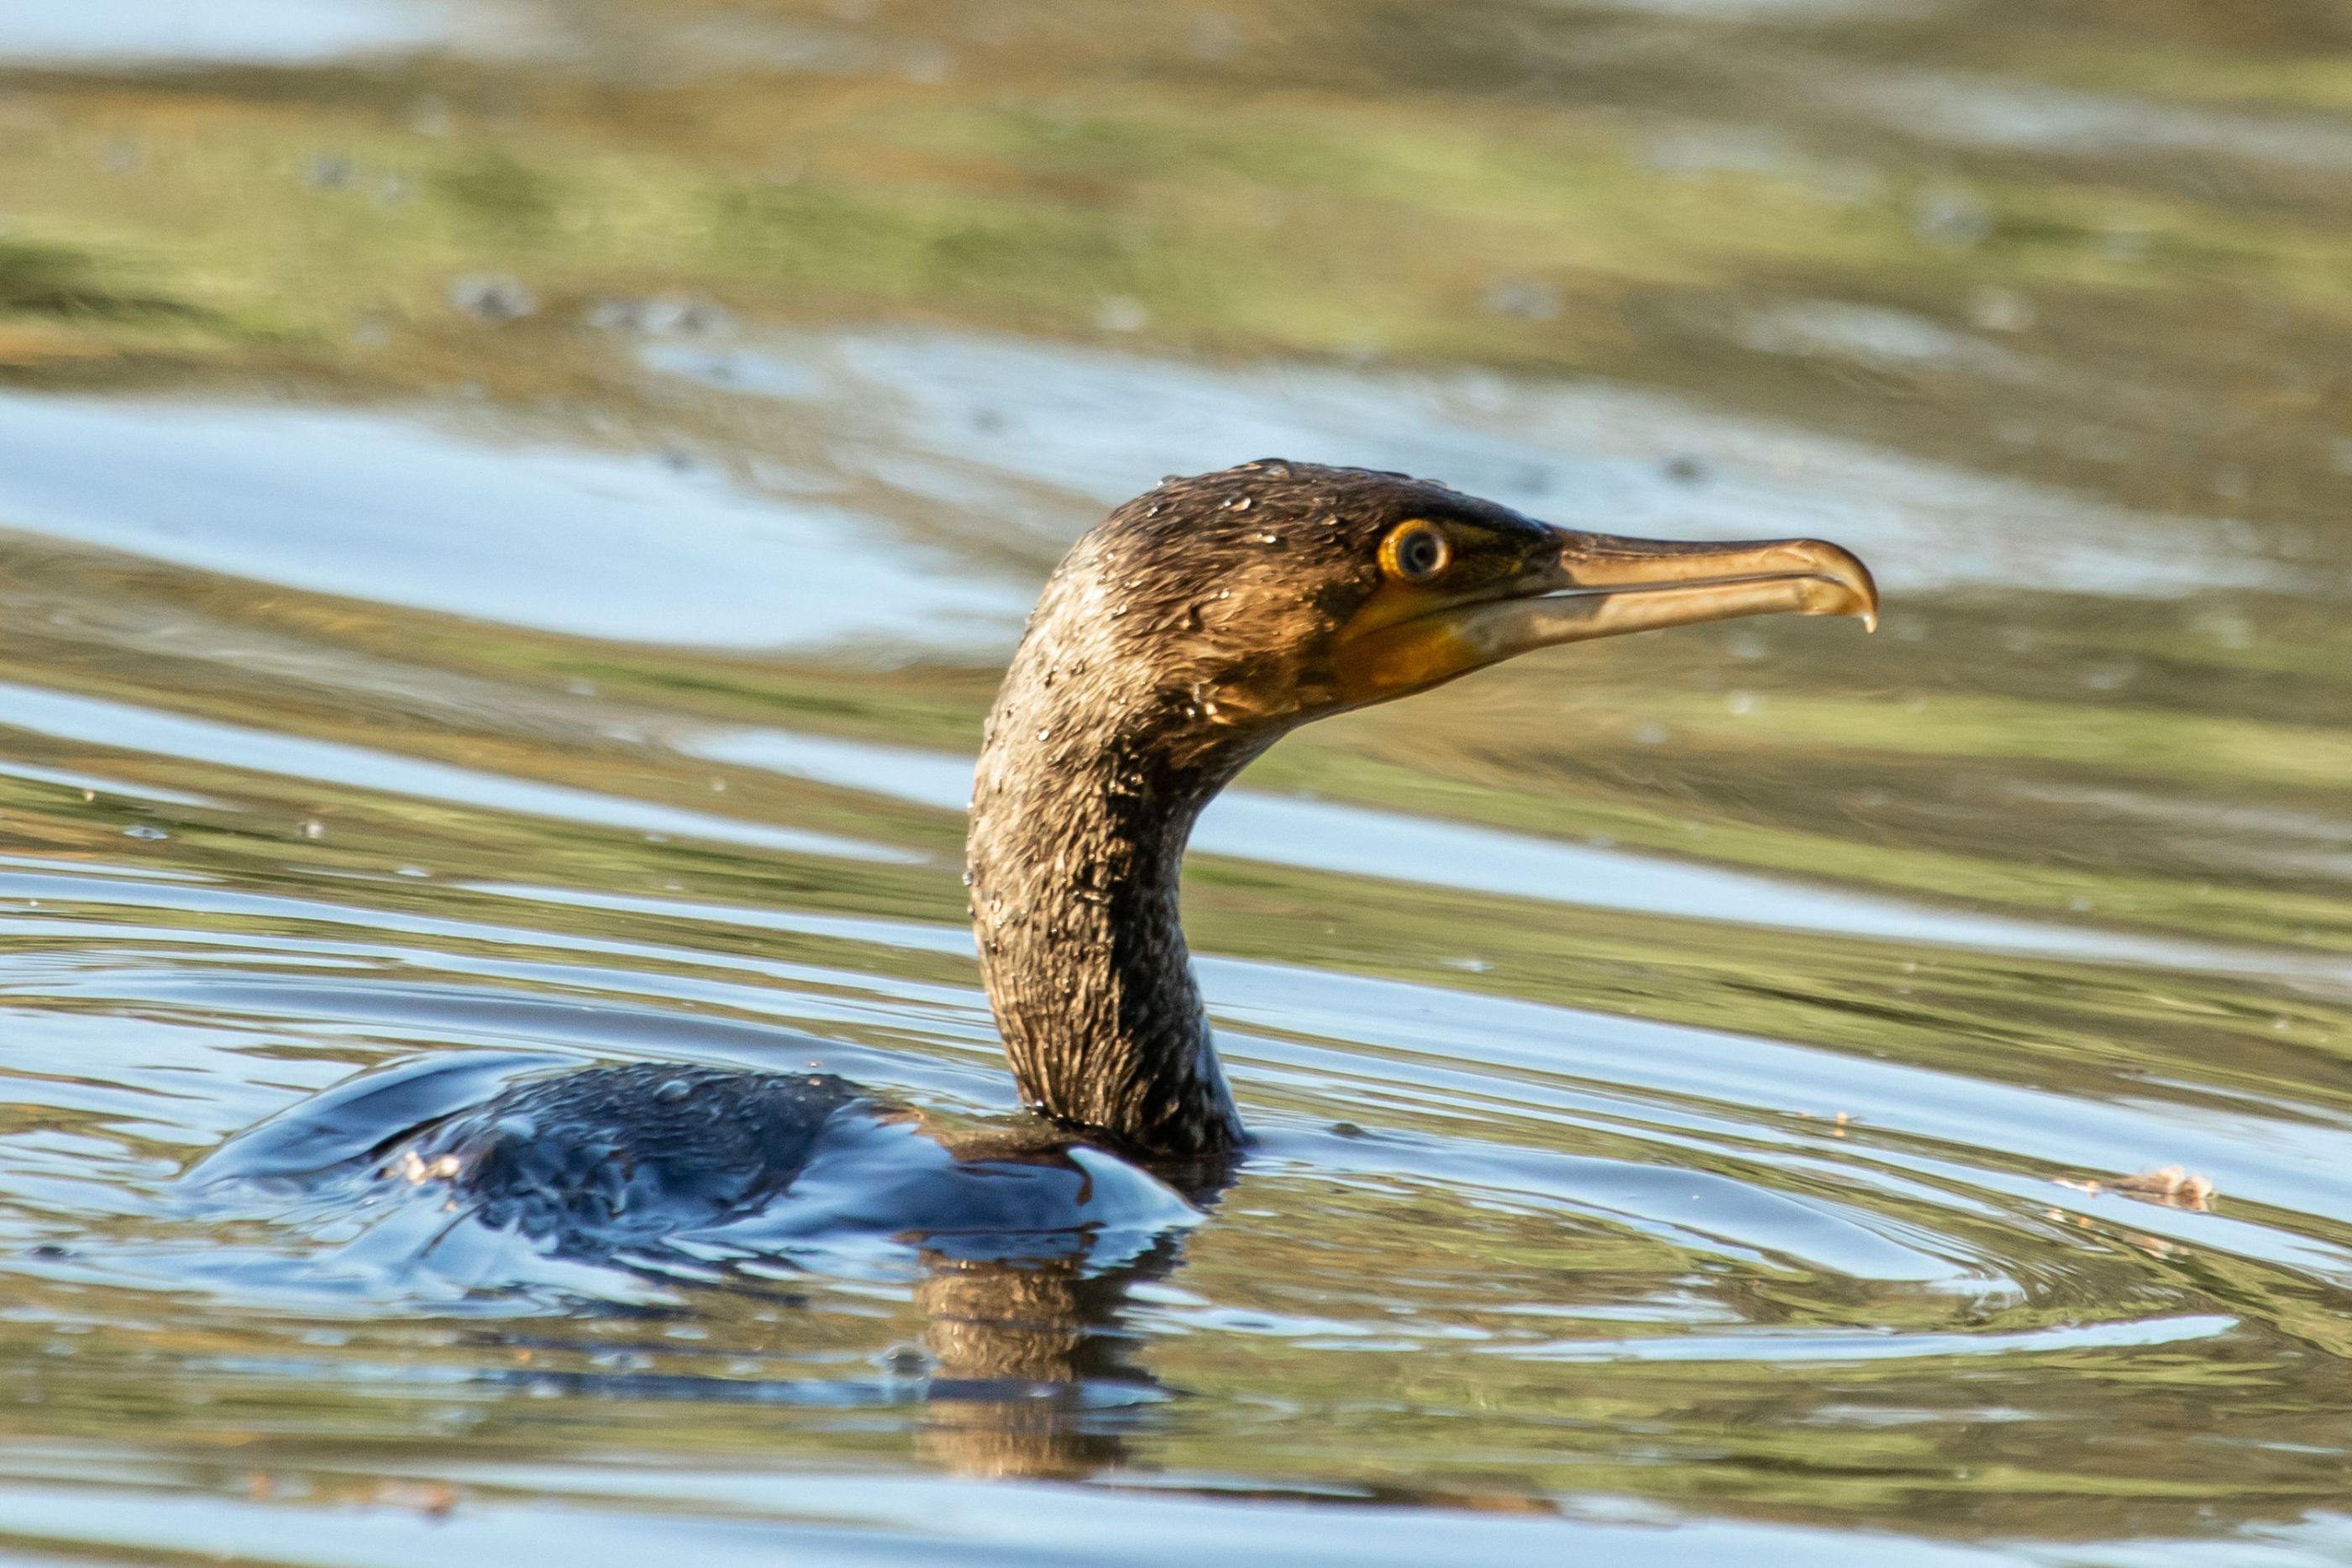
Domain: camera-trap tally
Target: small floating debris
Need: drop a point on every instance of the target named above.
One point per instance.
(2170, 1186)
(1119, 313)
(431, 1500)
(659, 314)
(491, 298)
(1952, 217)
(1522, 299)
(2001, 311)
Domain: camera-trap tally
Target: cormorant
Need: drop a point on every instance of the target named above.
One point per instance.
(1177, 640)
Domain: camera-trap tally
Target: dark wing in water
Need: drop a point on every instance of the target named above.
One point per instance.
(597, 1158)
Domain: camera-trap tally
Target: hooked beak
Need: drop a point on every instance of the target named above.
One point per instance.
(1598, 585)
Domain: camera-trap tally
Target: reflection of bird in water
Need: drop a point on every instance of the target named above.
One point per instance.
(1029, 1374)
(1176, 641)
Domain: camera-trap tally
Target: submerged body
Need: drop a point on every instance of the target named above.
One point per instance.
(615, 1153)
(1177, 640)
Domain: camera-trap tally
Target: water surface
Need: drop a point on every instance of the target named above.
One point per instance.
(504, 553)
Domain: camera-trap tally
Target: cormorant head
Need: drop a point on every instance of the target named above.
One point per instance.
(1177, 640)
(1265, 595)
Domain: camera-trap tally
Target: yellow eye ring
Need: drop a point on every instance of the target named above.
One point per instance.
(1416, 552)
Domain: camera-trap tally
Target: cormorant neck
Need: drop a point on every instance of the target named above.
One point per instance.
(1089, 781)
